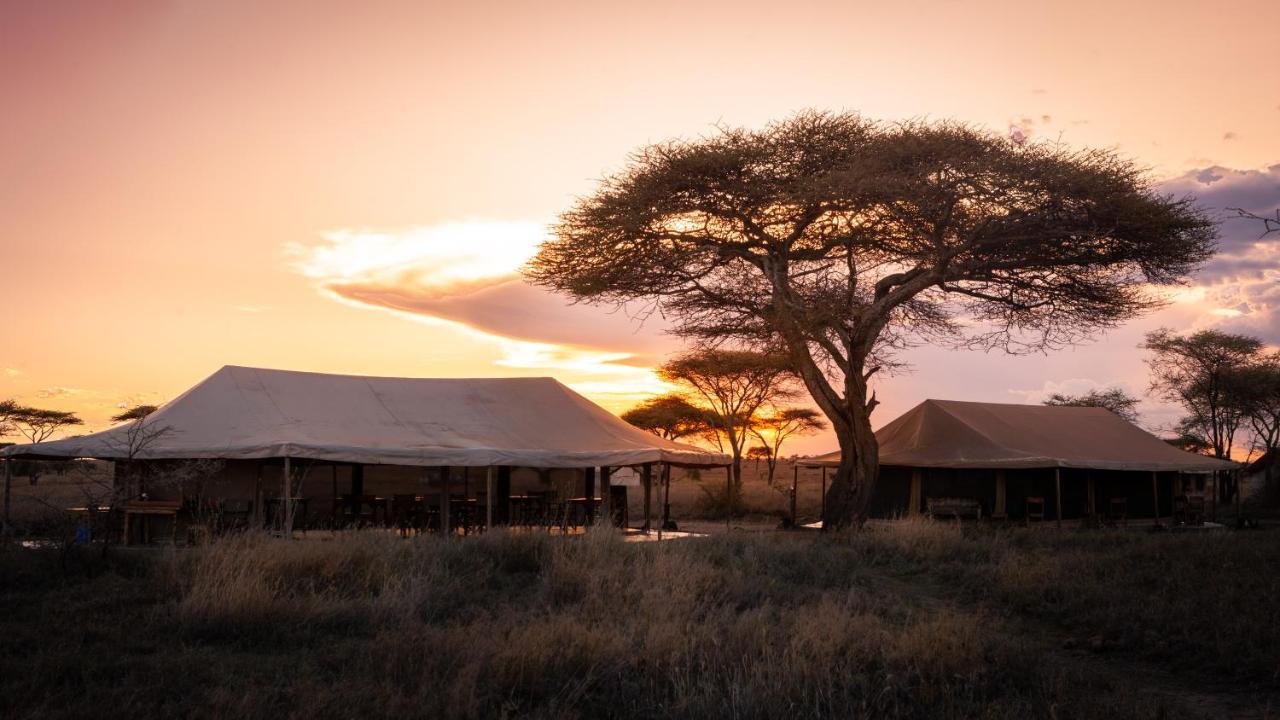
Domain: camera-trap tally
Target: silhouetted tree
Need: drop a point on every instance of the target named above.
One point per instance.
(1203, 372)
(669, 416)
(137, 412)
(1114, 399)
(840, 240)
(734, 385)
(772, 431)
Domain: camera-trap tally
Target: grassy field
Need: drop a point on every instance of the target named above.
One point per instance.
(913, 619)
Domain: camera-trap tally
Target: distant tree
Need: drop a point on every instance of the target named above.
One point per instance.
(8, 411)
(1261, 381)
(774, 429)
(1114, 399)
(669, 416)
(38, 425)
(756, 453)
(734, 385)
(840, 240)
(1204, 373)
(137, 412)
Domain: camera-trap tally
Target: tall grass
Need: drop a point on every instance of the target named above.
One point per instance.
(508, 625)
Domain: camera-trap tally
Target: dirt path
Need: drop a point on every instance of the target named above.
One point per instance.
(1189, 693)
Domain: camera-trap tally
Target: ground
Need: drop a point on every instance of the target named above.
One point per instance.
(904, 619)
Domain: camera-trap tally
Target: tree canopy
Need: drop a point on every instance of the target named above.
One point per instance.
(1204, 372)
(1114, 399)
(669, 416)
(840, 240)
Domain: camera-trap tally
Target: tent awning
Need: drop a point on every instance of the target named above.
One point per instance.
(252, 413)
(954, 434)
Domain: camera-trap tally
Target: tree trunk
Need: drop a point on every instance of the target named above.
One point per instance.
(849, 494)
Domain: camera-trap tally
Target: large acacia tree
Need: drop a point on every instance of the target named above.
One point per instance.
(841, 240)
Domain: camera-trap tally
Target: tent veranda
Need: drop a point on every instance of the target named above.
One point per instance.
(978, 444)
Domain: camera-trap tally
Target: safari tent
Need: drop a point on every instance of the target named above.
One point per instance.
(1011, 461)
(341, 448)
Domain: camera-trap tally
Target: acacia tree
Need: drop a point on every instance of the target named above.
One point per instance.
(773, 429)
(734, 385)
(669, 416)
(1204, 372)
(1262, 401)
(841, 240)
(1114, 399)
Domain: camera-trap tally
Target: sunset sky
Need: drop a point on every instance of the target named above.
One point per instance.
(351, 187)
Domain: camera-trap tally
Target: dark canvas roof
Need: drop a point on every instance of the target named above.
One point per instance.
(955, 434)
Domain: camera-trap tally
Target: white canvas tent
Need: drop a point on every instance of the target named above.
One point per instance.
(955, 434)
(242, 413)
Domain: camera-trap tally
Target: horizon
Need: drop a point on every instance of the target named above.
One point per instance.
(191, 186)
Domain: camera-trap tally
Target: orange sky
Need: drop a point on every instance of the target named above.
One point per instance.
(185, 185)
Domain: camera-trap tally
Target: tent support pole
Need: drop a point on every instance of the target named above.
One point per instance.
(666, 498)
(606, 492)
(488, 498)
(824, 497)
(8, 482)
(1057, 490)
(286, 502)
(1155, 498)
(728, 497)
(446, 528)
(917, 485)
(646, 476)
(1093, 498)
(795, 484)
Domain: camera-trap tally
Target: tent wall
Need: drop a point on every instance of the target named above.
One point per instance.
(892, 496)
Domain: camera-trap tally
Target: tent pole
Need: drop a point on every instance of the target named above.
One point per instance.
(1057, 489)
(445, 528)
(333, 470)
(488, 498)
(824, 497)
(666, 497)
(8, 481)
(606, 490)
(646, 476)
(1155, 498)
(795, 483)
(286, 502)
(728, 497)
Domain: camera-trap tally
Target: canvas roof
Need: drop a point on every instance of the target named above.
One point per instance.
(955, 434)
(252, 413)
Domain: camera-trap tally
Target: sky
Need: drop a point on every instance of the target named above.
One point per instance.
(352, 188)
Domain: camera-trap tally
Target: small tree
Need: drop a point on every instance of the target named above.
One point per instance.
(839, 239)
(773, 429)
(669, 416)
(1114, 399)
(1262, 401)
(735, 385)
(38, 425)
(1204, 373)
(137, 412)
(756, 453)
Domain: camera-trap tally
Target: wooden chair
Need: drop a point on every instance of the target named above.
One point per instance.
(1118, 511)
(1035, 510)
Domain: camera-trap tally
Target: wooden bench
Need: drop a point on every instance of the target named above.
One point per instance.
(954, 508)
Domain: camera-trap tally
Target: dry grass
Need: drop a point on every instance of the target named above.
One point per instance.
(518, 625)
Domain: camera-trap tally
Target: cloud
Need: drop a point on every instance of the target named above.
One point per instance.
(468, 273)
(1229, 135)
(12, 372)
(1239, 288)
(250, 308)
(57, 391)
